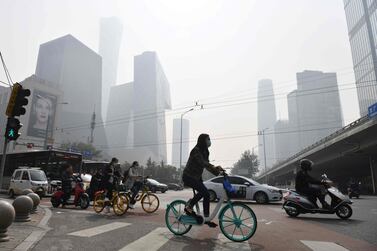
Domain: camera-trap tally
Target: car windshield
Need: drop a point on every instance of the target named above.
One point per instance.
(37, 175)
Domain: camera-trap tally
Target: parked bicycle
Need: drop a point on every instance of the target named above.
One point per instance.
(237, 221)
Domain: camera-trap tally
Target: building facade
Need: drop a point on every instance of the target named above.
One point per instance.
(177, 139)
(282, 140)
(151, 100)
(76, 70)
(266, 122)
(314, 108)
(110, 39)
(361, 18)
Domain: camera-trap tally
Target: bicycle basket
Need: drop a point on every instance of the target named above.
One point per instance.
(227, 186)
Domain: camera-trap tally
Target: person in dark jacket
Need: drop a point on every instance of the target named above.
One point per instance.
(67, 179)
(95, 184)
(304, 184)
(192, 176)
(108, 177)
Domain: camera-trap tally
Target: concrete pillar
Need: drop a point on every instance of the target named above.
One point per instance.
(27, 191)
(373, 172)
(23, 206)
(36, 201)
(7, 215)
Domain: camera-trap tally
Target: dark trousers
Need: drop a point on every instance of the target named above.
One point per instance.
(135, 190)
(202, 193)
(109, 187)
(66, 195)
(314, 193)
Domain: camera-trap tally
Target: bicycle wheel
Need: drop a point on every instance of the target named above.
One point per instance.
(99, 202)
(120, 204)
(237, 222)
(174, 211)
(150, 203)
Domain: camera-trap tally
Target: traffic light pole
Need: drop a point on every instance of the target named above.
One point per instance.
(3, 157)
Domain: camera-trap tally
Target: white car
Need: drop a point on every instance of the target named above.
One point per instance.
(28, 178)
(246, 189)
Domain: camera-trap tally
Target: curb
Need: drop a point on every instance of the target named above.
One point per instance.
(37, 235)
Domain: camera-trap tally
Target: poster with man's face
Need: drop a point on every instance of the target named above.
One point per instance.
(43, 108)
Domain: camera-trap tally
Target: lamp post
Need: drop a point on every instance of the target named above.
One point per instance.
(180, 145)
(262, 132)
(48, 119)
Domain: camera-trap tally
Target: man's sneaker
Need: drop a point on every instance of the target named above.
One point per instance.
(132, 206)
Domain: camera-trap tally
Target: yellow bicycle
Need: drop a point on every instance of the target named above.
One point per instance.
(149, 201)
(119, 202)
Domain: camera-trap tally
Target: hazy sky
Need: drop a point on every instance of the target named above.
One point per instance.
(208, 48)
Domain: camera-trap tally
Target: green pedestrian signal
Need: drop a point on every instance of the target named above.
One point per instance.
(13, 126)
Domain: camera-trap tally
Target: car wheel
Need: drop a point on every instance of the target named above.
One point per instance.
(212, 196)
(163, 191)
(11, 194)
(261, 197)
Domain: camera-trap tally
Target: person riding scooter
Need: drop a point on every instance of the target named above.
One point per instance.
(306, 184)
(67, 179)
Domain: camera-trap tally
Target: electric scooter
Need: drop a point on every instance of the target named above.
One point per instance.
(296, 203)
(80, 197)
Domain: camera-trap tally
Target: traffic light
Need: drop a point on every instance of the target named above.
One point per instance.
(17, 101)
(13, 126)
(21, 101)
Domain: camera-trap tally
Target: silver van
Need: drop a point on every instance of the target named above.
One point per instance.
(28, 178)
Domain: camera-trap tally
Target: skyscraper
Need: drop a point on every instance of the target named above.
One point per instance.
(110, 39)
(75, 69)
(362, 31)
(314, 108)
(151, 99)
(176, 141)
(266, 122)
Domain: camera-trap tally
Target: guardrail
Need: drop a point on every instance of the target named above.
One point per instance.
(335, 134)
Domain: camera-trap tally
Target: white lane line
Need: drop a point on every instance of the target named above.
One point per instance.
(268, 223)
(89, 232)
(224, 244)
(323, 246)
(150, 242)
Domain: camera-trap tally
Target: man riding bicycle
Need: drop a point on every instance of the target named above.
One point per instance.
(192, 176)
(134, 181)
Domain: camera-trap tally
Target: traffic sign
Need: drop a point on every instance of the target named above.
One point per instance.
(372, 111)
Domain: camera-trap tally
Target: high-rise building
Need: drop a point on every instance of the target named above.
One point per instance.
(266, 122)
(362, 31)
(151, 99)
(119, 124)
(76, 70)
(314, 108)
(110, 40)
(283, 140)
(177, 139)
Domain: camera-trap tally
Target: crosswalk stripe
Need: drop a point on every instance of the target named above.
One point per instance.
(89, 232)
(224, 244)
(150, 242)
(323, 246)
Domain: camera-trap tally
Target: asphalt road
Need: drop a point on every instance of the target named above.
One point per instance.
(75, 229)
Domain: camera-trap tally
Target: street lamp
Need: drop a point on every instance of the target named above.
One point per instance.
(180, 146)
(262, 132)
(48, 118)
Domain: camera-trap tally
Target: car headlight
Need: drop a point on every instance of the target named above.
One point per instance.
(273, 191)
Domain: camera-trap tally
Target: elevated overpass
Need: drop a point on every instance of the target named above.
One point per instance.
(350, 152)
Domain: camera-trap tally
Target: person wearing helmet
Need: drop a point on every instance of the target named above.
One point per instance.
(192, 176)
(304, 183)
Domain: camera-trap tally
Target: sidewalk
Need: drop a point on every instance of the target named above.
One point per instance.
(24, 235)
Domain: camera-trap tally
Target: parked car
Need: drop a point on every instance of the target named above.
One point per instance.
(155, 186)
(246, 189)
(175, 187)
(28, 178)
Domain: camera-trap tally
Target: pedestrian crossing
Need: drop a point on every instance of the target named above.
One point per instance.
(155, 239)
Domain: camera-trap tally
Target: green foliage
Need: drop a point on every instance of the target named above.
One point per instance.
(161, 172)
(82, 147)
(247, 165)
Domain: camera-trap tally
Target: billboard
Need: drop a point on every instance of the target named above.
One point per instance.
(43, 110)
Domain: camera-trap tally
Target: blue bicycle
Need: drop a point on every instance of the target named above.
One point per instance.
(237, 220)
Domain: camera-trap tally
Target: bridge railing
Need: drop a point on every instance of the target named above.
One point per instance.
(335, 134)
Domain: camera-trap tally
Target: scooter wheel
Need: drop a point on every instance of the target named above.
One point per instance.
(344, 211)
(55, 202)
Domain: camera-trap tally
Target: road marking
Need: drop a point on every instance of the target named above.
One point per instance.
(89, 232)
(268, 223)
(150, 242)
(323, 246)
(261, 220)
(225, 244)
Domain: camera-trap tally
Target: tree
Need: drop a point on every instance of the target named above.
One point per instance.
(247, 165)
(87, 150)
